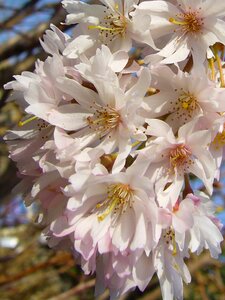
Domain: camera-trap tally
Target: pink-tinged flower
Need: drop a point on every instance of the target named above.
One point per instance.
(108, 117)
(185, 27)
(110, 206)
(37, 92)
(112, 223)
(182, 97)
(194, 224)
(111, 273)
(176, 221)
(205, 232)
(103, 65)
(54, 41)
(47, 193)
(189, 224)
(114, 24)
(169, 254)
(170, 267)
(25, 145)
(218, 142)
(166, 159)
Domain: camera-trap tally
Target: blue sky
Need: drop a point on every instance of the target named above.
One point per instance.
(28, 23)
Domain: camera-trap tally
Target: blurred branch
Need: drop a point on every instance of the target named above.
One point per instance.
(75, 290)
(19, 14)
(30, 39)
(59, 258)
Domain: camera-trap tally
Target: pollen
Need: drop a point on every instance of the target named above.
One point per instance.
(113, 24)
(104, 120)
(180, 157)
(185, 107)
(189, 22)
(119, 199)
(188, 101)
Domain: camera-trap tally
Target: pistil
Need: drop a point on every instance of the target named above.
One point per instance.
(22, 123)
(104, 120)
(113, 24)
(190, 21)
(180, 157)
(119, 199)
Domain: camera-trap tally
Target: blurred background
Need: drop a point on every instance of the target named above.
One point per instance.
(29, 270)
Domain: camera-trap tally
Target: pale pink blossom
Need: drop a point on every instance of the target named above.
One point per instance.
(112, 222)
(205, 232)
(185, 27)
(108, 117)
(114, 23)
(104, 205)
(107, 143)
(166, 158)
(182, 97)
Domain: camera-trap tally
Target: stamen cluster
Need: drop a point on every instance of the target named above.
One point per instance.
(189, 22)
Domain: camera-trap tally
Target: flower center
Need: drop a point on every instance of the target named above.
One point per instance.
(190, 22)
(114, 24)
(188, 102)
(180, 157)
(119, 198)
(104, 120)
(185, 106)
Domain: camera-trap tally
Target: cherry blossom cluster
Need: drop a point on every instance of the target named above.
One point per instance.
(117, 120)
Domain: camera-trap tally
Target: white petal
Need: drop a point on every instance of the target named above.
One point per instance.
(69, 117)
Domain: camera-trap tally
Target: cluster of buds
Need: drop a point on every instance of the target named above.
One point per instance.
(115, 121)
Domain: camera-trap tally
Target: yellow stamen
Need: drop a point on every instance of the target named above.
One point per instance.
(219, 140)
(174, 21)
(22, 123)
(141, 62)
(136, 143)
(104, 120)
(107, 211)
(212, 68)
(188, 101)
(174, 245)
(116, 6)
(190, 21)
(179, 156)
(219, 64)
(119, 198)
(176, 267)
(103, 28)
(185, 105)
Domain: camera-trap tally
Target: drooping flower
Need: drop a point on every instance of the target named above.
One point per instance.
(170, 266)
(110, 204)
(205, 232)
(112, 218)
